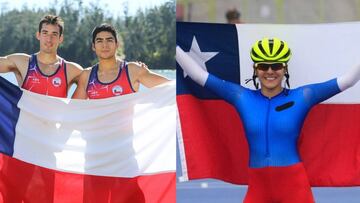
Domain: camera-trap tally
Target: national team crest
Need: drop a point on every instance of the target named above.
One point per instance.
(117, 90)
(56, 82)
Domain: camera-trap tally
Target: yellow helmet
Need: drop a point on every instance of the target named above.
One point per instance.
(270, 50)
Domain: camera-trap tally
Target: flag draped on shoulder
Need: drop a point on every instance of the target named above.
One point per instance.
(119, 149)
(210, 132)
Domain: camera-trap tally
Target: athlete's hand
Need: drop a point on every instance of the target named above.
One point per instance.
(143, 65)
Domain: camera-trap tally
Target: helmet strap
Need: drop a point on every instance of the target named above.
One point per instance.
(287, 76)
(256, 84)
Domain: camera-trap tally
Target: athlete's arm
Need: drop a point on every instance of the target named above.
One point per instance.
(316, 93)
(6, 65)
(140, 74)
(227, 90)
(73, 71)
(319, 92)
(80, 91)
(349, 79)
(191, 68)
(14, 63)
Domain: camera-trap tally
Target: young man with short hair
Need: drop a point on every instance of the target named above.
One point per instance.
(112, 76)
(44, 73)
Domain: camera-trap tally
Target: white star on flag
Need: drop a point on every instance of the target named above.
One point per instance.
(200, 57)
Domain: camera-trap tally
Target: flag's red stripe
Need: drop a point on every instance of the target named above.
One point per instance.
(23, 181)
(215, 144)
(330, 145)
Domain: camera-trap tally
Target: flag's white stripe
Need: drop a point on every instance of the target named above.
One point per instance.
(319, 52)
(124, 136)
(181, 147)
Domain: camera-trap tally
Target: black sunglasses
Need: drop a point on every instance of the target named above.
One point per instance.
(273, 66)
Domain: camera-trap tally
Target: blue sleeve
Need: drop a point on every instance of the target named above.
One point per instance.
(228, 91)
(316, 93)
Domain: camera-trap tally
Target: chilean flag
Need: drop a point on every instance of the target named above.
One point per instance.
(210, 132)
(119, 149)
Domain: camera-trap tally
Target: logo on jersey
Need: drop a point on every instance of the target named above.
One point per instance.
(117, 90)
(56, 82)
(35, 80)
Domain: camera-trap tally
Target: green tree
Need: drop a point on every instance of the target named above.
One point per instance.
(150, 36)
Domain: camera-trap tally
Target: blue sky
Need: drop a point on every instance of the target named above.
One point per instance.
(114, 6)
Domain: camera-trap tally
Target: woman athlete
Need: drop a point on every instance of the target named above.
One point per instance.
(276, 173)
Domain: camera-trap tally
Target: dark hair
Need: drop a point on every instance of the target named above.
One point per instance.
(52, 20)
(104, 27)
(232, 14)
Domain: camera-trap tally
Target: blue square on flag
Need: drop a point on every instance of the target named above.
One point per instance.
(216, 51)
